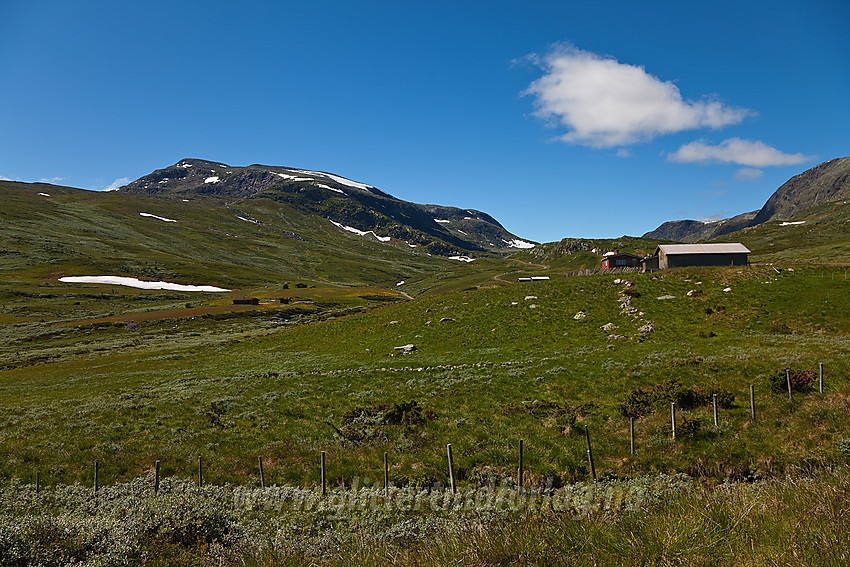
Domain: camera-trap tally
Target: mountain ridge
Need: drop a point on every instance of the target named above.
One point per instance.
(819, 185)
(356, 206)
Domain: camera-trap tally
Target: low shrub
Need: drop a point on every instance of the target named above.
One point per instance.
(565, 415)
(640, 402)
(801, 381)
(689, 426)
(362, 425)
(637, 403)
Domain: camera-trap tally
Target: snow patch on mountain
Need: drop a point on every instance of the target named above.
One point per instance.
(338, 179)
(292, 177)
(156, 217)
(361, 232)
(328, 187)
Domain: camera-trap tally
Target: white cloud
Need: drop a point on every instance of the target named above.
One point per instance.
(604, 103)
(4, 178)
(120, 182)
(735, 150)
(748, 174)
(50, 179)
(623, 153)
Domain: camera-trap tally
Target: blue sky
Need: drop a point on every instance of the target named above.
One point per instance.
(560, 119)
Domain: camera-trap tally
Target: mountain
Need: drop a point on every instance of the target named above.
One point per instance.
(822, 184)
(829, 181)
(695, 231)
(206, 223)
(350, 205)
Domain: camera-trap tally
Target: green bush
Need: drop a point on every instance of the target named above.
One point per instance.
(637, 403)
(640, 401)
(801, 381)
(689, 426)
(363, 425)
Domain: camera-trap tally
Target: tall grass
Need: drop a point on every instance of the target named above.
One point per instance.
(645, 521)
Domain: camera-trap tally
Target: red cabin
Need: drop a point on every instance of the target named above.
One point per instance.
(621, 261)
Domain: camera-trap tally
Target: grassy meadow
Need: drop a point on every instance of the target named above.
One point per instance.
(492, 364)
(403, 355)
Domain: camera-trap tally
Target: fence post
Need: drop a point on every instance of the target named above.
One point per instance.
(200, 472)
(631, 435)
(519, 471)
(820, 376)
(156, 477)
(753, 402)
(788, 382)
(262, 475)
(37, 481)
(714, 404)
(451, 468)
(324, 482)
(673, 418)
(96, 473)
(590, 453)
(386, 477)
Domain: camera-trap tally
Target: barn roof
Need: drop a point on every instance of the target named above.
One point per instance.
(722, 248)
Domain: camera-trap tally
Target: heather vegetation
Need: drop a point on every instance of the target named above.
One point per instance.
(403, 356)
(493, 364)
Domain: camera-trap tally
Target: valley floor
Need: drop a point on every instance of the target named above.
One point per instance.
(491, 363)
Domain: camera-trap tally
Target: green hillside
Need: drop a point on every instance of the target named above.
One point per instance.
(818, 235)
(77, 232)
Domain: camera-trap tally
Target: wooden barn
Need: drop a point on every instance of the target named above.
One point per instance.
(621, 261)
(680, 255)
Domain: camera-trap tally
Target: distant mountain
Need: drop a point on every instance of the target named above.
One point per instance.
(824, 183)
(350, 205)
(695, 231)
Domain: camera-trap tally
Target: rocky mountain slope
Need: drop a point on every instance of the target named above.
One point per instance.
(350, 205)
(822, 184)
(829, 181)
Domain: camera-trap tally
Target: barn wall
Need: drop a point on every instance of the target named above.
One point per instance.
(681, 260)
